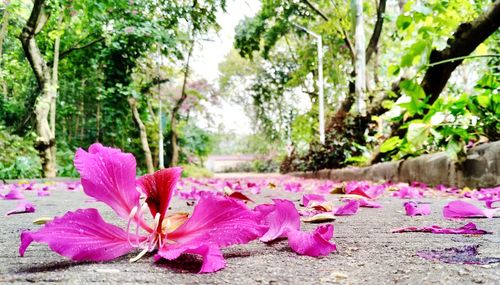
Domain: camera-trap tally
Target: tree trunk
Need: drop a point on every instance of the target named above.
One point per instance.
(3, 34)
(55, 87)
(175, 148)
(143, 135)
(360, 61)
(45, 138)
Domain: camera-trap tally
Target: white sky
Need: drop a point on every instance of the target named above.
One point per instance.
(209, 54)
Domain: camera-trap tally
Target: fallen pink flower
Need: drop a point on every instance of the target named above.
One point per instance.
(283, 221)
(462, 209)
(365, 203)
(408, 192)
(467, 229)
(350, 208)
(42, 193)
(292, 187)
(308, 198)
(23, 206)
(365, 189)
(108, 175)
(417, 209)
(14, 194)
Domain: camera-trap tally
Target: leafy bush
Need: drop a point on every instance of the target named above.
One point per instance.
(19, 158)
(196, 172)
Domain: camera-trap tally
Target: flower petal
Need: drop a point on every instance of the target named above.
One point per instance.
(280, 218)
(80, 235)
(211, 254)
(348, 209)
(414, 209)
(14, 194)
(108, 175)
(159, 188)
(315, 243)
(308, 198)
(467, 229)
(462, 209)
(22, 206)
(219, 220)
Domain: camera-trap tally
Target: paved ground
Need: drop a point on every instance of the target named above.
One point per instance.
(368, 252)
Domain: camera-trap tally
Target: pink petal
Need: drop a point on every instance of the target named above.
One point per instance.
(14, 194)
(348, 209)
(467, 229)
(43, 193)
(23, 206)
(283, 220)
(280, 218)
(462, 209)
(315, 243)
(364, 189)
(159, 188)
(307, 198)
(368, 204)
(211, 254)
(219, 220)
(108, 175)
(414, 209)
(408, 192)
(80, 235)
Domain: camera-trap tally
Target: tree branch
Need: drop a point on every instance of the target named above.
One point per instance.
(377, 30)
(79, 47)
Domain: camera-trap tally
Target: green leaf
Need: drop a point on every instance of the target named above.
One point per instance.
(403, 22)
(417, 133)
(390, 144)
(483, 100)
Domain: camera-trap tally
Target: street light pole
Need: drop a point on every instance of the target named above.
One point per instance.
(320, 83)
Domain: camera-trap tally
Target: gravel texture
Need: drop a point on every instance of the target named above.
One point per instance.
(368, 253)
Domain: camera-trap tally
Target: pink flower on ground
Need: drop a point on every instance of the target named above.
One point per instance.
(417, 209)
(293, 187)
(14, 194)
(408, 192)
(22, 206)
(108, 175)
(365, 189)
(467, 229)
(350, 208)
(461, 209)
(283, 221)
(308, 198)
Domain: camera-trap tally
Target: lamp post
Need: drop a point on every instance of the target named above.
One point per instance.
(320, 82)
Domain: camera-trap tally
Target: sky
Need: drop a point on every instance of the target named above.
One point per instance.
(211, 52)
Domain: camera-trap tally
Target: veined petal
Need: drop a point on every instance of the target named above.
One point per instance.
(159, 188)
(280, 218)
(219, 220)
(108, 175)
(80, 235)
(314, 243)
(415, 209)
(211, 254)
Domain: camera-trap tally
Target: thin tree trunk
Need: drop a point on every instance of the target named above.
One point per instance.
(3, 34)
(143, 135)
(360, 61)
(55, 87)
(178, 104)
(45, 138)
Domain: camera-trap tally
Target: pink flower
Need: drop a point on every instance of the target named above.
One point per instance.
(417, 209)
(22, 206)
(308, 198)
(408, 192)
(108, 175)
(350, 208)
(365, 189)
(467, 229)
(283, 221)
(462, 209)
(14, 194)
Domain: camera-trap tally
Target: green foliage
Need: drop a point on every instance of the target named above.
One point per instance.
(19, 158)
(189, 170)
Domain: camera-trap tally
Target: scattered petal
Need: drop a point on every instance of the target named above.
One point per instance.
(315, 243)
(416, 209)
(467, 229)
(351, 207)
(23, 206)
(458, 255)
(462, 209)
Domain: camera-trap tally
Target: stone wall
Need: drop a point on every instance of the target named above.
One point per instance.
(480, 169)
